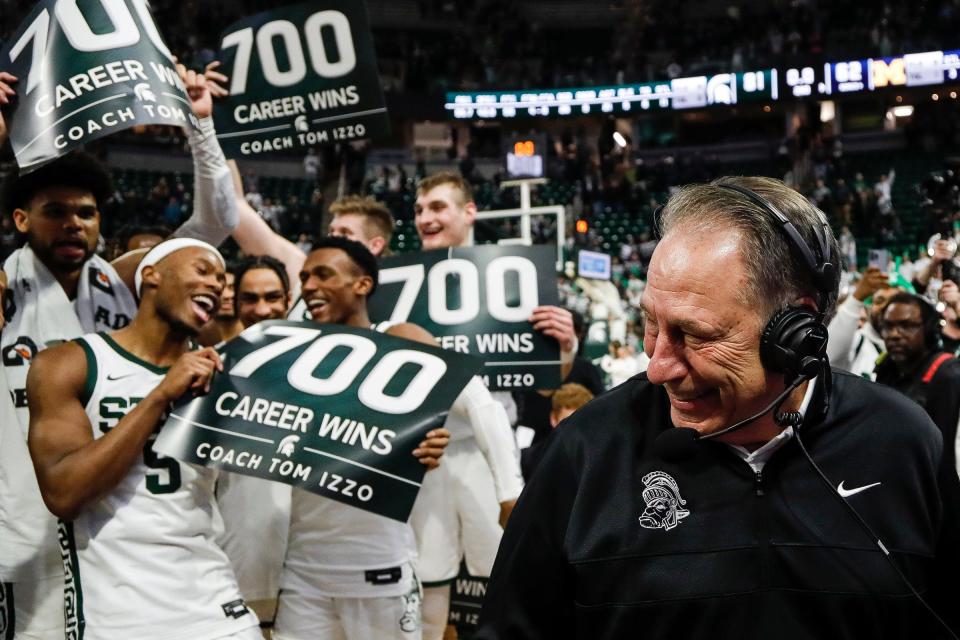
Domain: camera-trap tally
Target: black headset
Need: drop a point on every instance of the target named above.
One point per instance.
(794, 341)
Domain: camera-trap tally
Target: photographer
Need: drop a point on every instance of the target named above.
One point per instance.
(941, 266)
(916, 365)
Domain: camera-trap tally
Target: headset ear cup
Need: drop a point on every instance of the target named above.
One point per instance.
(793, 338)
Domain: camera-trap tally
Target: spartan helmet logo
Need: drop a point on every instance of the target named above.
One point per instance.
(662, 496)
(288, 445)
(143, 93)
(300, 123)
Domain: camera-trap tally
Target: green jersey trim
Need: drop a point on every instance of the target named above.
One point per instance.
(90, 383)
(132, 358)
(72, 588)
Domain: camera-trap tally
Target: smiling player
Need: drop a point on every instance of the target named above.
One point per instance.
(137, 528)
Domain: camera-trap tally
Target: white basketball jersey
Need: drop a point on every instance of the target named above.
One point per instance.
(332, 547)
(340, 551)
(141, 562)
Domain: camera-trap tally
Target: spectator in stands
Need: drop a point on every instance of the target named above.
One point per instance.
(848, 248)
(253, 197)
(852, 347)
(620, 364)
(883, 193)
(160, 194)
(172, 212)
(304, 243)
(916, 365)
(270, 212)
(311, 165)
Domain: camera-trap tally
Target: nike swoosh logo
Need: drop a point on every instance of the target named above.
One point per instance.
(846, 493)
(114, 378)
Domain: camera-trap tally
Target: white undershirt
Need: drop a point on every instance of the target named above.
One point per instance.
(758, 458)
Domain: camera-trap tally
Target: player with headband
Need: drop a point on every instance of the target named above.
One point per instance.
(58, 290)
(138, 529)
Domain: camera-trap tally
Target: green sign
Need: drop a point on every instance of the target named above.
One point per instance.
(300, 76)
(330, 409)
(86, 69)
(478, 300)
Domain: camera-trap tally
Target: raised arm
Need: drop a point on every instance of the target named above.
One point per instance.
(255, 236)
(843, 327)
(214, 215)
(74, 469)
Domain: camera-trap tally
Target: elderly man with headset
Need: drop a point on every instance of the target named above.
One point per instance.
(740, 487)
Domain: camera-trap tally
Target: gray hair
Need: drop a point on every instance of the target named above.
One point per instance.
(776, 274)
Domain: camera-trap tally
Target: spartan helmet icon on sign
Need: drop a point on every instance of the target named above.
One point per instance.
(662, 496)
(300, 123)
(288, 445)
(143, 93)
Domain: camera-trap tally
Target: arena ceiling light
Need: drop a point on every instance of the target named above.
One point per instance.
(619, 139)
(903, 111)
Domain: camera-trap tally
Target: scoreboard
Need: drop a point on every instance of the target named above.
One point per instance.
(819, 80)
(679, 93)
(526, 156)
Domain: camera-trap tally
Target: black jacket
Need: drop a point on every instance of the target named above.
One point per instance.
(940, 395)
(742, 556)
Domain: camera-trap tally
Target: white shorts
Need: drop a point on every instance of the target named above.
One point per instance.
(255, 544)
(34, 610)
(250, 633)
(302, 616)
(456, 516)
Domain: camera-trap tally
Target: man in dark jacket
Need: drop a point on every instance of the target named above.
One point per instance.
(916, 365)
(739, 537)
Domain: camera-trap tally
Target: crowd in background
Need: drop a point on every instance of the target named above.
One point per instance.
(479, 44)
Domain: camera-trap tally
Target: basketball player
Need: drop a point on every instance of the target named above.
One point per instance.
(58, 290)
(256, 545)
(349, 573)
(225, 325)
(365, 220)
(136, 528)
(455, 516)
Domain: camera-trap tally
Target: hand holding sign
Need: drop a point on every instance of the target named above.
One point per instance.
(216, 80)
(557, 323)
(299, 76)
(430, 450)
(87, 71)
(191, 372)
(6, 92)
(201, 99)
(493, 301)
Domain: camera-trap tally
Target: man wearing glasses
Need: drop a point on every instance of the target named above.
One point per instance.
(916, 364)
